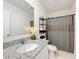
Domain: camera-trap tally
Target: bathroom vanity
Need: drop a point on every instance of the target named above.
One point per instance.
(41, 50)
(43, 54)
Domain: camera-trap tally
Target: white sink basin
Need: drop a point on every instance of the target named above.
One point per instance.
(27, 48)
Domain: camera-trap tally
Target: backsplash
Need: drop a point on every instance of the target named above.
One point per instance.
(14, 42)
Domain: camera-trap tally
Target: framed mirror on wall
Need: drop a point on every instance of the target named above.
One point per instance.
(18, 14)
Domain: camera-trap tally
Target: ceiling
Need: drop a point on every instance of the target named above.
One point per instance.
(22, 4)
(50, 5)
(57, 5)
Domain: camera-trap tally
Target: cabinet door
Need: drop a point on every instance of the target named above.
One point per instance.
(43, 54)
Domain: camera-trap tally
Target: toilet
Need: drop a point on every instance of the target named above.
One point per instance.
(58, 54)
(52, 49)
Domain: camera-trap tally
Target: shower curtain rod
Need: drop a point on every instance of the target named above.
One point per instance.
(60, 16)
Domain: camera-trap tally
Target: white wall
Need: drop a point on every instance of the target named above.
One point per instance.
(39, 11)
(19, 18)
(63, 12)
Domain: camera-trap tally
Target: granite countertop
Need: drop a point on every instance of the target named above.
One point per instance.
(11, 51)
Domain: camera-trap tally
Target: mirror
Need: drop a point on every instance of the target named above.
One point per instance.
(17, 15)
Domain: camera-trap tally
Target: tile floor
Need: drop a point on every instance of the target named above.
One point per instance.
(62, 55)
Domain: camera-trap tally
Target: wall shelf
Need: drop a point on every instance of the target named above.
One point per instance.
(42, 31)
(42, 27)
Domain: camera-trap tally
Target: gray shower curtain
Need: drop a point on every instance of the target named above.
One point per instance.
(61, 33)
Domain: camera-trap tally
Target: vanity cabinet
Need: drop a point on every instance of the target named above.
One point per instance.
(43, 54)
